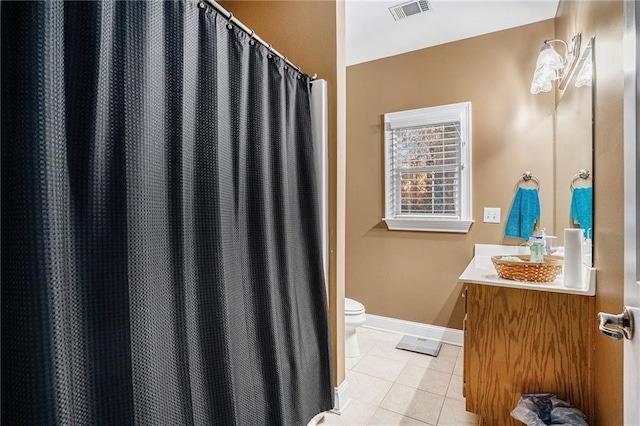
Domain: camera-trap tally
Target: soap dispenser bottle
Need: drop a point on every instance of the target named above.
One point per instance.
(536, 245)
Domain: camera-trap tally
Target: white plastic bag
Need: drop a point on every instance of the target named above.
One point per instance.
(543, 409)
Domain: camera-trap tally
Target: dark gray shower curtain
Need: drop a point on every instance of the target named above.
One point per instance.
(161, 258)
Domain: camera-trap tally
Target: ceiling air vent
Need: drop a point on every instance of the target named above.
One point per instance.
(404, 10)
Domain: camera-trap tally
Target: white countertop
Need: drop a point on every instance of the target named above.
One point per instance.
(481, 271)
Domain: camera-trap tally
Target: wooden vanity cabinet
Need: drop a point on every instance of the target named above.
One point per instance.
(520, 341)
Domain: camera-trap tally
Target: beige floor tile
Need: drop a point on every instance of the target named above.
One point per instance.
(394, 387)
(414, 403)
(388, 350)
(394, 338)
(384, 417)
(454, 414)
(425, 379)
(421, 360)
(443, 362)
(381, 368)
(366, 342)
(368, 338)
(381, 335)
(351, 362)
(455, 388)
(459, 368)
(367, 388)
(449, 350)
(357, 413)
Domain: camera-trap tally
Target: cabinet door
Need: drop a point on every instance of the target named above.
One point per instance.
(526, 341)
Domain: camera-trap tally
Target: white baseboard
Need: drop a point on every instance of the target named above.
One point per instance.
(342, 398)
(451, 336)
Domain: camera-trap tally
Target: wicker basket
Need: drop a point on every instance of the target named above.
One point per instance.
(545, 272)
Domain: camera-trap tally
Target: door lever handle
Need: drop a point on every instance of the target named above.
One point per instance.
(624, 322)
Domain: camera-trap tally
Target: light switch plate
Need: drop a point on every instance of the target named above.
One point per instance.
(492, 215)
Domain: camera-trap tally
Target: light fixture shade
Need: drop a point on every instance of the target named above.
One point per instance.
(548, 68)
(585, 75)
(541, 83)
(549, 61)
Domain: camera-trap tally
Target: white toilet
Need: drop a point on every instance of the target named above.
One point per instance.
(354, 318)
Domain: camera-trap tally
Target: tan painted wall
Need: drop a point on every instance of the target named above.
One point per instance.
(604, 19)
(413, 275)
(306, 32)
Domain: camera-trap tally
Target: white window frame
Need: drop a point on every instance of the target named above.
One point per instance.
(460, 112)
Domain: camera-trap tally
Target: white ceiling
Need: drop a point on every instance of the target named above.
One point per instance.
(372, 33)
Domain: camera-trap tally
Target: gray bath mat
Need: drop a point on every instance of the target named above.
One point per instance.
(420, 345)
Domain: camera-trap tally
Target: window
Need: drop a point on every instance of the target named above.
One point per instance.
(428, 169)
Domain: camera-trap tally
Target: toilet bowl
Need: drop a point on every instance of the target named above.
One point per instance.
(354, 318)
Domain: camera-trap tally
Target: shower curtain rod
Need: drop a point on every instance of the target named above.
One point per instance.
(233, 20)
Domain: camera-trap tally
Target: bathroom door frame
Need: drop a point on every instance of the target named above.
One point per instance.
(631, 42)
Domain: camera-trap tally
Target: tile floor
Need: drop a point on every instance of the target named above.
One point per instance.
(389, 386)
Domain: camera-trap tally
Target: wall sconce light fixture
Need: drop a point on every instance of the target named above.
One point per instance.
(551, 66)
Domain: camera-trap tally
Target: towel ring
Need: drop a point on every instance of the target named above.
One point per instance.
(582, 174)
(526, 177)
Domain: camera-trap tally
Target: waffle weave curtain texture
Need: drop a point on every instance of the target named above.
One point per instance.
(161, 260)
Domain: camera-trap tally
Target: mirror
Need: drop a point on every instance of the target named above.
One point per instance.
(574, 151)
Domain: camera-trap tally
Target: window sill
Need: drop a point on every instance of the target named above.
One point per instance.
(429, 225)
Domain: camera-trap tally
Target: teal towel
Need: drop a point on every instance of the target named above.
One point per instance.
(582, 209)
(523, 215)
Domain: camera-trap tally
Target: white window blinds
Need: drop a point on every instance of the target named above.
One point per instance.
(428, 168)
(427, 171)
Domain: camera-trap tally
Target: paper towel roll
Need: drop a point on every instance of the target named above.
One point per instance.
(573, 257)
